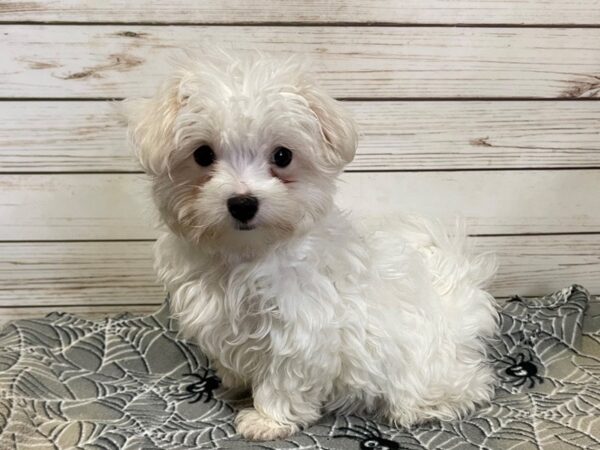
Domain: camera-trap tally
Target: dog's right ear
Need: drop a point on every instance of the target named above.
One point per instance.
(150, 124)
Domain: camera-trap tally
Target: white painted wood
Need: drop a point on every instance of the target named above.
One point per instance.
(491, 202)
(314, 11)
(86, 312)
(71, 273)
(40, 136)
(538, 265)
(114, 274)
(88, 61)
(116, 206)
(107, 61)
(62, 136)
(40, 207)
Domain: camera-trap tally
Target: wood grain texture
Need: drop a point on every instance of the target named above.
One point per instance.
(312, 11)
(539, 265)
(87, 312)
(62, 136)
(72, 273)
(43, 136)
(116, 61)
(113, 274)
(116, 206)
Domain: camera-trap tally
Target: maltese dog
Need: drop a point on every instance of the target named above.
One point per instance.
(273, 281)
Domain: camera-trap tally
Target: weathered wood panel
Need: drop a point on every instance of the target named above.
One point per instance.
(314, 11)
(119, 61)
(52, 136)
(71, 273)
(40, 207)
(113, 274)
(62, 136)
(116, 206)
(88, 312)
(538, 265)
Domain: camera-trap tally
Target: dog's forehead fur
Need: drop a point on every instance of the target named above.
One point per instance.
(247, 76)
(248, 104)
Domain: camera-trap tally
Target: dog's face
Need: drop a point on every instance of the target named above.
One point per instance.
(242, 152)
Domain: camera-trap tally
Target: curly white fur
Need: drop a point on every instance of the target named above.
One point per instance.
(304, 310)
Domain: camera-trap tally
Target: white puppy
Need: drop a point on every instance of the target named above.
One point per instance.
(270, 278)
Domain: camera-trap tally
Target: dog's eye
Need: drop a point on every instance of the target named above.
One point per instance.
(204, 156)
(282, 157)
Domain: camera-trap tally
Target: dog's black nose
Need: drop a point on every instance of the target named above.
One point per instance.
(243, 207)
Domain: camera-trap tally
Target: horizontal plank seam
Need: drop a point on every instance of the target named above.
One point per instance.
(98, 305)
(552, 233)
(468, 99)
(484, 235)
(475, 169)
(343, 99)
(351, 170)
(60, 99)
(366, 24)
(120, 306)
(58, 241)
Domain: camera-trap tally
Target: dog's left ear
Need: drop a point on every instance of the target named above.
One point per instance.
(338, 128)
(150, 125)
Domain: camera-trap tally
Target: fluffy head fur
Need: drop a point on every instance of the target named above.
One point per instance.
(303, 310)
(244, 108)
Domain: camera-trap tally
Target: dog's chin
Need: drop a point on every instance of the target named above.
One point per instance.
(231, 236)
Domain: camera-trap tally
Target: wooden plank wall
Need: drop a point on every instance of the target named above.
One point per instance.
(487, 110)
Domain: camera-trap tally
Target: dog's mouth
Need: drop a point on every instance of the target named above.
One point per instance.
(244, 226)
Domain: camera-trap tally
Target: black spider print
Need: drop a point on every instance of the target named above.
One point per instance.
(204, 387)
(523, 369)
(370, 438)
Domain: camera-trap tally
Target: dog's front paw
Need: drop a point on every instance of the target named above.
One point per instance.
(254, 426)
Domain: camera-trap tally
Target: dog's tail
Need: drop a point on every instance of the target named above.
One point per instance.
(449, 253)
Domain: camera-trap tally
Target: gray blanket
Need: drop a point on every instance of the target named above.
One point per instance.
(131, 383)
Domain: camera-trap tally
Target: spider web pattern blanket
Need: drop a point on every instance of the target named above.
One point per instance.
(131, 383)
